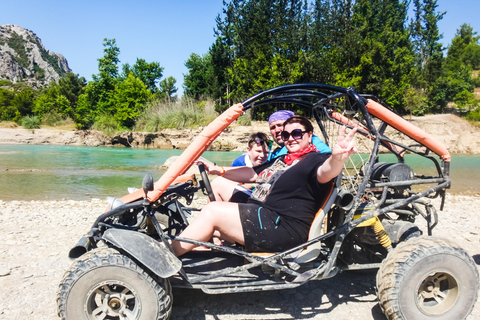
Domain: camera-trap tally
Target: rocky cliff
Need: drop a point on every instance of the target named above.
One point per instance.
(24, 58)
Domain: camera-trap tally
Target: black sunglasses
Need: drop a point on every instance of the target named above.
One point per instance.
(296, 134)
(259, 141)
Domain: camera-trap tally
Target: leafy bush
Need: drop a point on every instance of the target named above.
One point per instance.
(5, 83)
(30, 122)
(52, 119)
(464, 99)
(107, 124)
(474, 115)
(416, 101)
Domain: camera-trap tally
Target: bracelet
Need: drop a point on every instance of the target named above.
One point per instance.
(223, 172)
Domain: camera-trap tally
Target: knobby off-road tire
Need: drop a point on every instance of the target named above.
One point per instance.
(427, 278)
(104, 284)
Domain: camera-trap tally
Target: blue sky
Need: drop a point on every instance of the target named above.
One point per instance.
(166, 31)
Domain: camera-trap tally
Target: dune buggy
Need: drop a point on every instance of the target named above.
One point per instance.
(125, 268)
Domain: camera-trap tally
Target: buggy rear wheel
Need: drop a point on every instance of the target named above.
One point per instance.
(427, 278)
(104, 284)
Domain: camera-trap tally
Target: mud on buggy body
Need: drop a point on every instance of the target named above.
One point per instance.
(125, 267)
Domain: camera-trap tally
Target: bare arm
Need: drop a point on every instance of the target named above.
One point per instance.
(332, 167)
(239, 174)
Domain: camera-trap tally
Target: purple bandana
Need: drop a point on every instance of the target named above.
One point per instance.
(280, 115)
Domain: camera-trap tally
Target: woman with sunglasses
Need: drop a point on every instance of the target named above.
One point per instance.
(280, 211)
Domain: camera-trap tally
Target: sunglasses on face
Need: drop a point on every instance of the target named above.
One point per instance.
(296, 134)
(268, 143)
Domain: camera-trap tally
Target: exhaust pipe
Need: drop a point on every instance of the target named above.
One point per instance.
(345, 200)
(83, 246)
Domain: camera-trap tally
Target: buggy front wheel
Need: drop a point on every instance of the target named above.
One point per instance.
(104, 284)
(427, 278)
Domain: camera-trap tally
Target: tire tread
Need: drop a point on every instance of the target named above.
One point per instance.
(110, 257)
(405, 255)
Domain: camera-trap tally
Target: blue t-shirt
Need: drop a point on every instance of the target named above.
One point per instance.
(240, 161)
(319, 144)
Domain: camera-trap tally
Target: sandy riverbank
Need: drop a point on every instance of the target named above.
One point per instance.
(38, 234)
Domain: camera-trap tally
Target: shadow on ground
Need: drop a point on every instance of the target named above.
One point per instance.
(476, 258)
(348, 295)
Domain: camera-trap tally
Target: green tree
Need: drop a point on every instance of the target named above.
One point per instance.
(7, 111)
(149, 73)
(464, 49)
(129, 98)
(167, 88)
(96, 98)
(429, 60)
(84, 116)
(251, 36)
(24, 102)
(387, 61)
(51, 101)
(107, 78)
(218, 86)
(335, 44)
(71, 87)
(196, 80)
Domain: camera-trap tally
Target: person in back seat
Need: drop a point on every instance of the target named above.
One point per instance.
(280, 211)
(257, 151)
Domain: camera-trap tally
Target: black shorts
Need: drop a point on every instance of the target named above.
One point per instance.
(240, 194)
(265, 231)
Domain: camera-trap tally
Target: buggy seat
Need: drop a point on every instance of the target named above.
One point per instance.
(317, 228)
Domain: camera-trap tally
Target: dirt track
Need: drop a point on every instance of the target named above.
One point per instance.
(37, 236)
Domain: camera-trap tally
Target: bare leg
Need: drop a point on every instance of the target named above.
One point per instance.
(223, 188)
(219, 218)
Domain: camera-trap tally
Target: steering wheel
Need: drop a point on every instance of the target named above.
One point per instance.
(206, 182)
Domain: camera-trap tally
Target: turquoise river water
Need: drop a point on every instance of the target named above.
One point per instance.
(43, 172)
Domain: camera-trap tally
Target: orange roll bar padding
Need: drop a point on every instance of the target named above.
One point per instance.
(339, 117)
(407, 128)
(195, 149)
(139, 194)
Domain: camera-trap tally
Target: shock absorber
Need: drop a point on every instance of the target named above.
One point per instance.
(382, 235)
(379, 230)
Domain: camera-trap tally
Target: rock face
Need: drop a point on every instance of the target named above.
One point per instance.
(24, 58)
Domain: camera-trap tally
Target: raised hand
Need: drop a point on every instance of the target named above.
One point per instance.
(345, 145)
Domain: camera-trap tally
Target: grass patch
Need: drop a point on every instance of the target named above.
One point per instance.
(52, 119)
(107, 124)
(184, 114)
(8, 125)
(245, 119)
(474, 123)
(64, 124)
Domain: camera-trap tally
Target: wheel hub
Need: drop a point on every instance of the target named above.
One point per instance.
(112, 299)
(437, 293)
(114, 304)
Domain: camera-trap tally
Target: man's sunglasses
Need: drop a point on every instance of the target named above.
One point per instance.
(268, 143)
(296, 134)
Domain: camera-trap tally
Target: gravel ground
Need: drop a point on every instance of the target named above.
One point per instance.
(38, 234)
